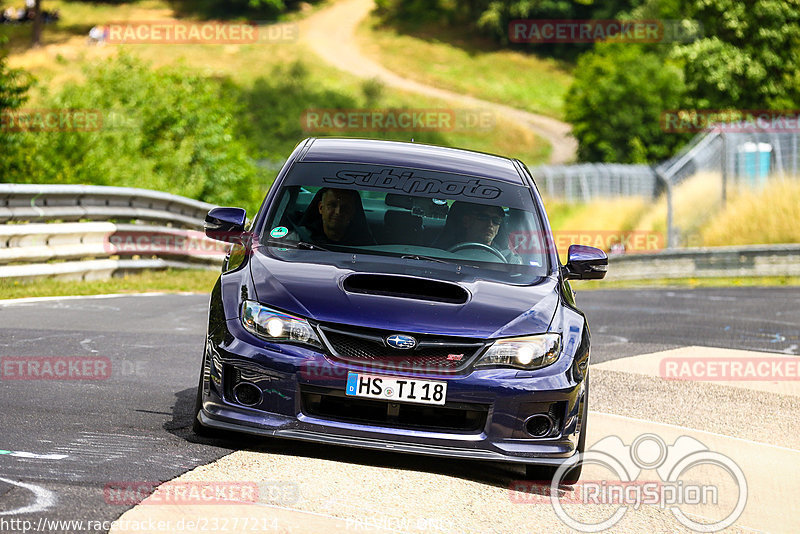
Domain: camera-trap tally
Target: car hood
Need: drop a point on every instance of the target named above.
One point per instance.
(315, 291)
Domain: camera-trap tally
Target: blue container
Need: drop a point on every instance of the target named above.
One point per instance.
(753, 162)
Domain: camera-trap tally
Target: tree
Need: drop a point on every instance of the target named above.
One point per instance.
(14, 85)
(749, 57)
(37, 23)
(616, 101)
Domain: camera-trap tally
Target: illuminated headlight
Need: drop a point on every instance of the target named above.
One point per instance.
(531, 352)
(277, 326)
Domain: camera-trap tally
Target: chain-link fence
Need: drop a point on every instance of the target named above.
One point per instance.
(740, 158)
(587, 181)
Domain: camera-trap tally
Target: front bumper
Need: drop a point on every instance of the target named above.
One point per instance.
(284, 373)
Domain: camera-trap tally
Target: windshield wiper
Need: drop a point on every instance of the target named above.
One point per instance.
(310, 246)
(428, 258)
(295, 244)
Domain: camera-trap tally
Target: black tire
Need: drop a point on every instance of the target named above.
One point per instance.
(545, 474)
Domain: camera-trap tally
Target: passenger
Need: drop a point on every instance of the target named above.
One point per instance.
(476, 223)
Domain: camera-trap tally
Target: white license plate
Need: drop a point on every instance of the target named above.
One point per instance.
(396, 388)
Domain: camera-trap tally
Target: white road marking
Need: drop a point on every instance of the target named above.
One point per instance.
(23, 454)
(44, 498)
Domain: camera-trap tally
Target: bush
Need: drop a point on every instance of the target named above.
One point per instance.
(264, 9)
(169, 130)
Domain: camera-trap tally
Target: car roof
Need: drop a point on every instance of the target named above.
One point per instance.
(413, 155)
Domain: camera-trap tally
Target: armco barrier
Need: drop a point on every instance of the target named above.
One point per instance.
(42, 232)
(742, 261)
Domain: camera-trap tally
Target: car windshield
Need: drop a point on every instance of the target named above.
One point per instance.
(477, 227)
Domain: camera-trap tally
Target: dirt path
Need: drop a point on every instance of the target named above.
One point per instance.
(331, 34)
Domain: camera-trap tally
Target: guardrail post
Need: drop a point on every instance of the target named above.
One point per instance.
(670, 227)
(724, 169)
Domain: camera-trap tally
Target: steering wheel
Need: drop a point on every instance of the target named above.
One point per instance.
(481, 246)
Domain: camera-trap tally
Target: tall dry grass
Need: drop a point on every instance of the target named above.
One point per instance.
(767, 216)
(695, 202)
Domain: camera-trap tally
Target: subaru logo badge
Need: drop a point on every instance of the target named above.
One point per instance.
(400, 341)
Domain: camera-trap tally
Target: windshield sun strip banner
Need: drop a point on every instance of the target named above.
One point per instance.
(414, 182)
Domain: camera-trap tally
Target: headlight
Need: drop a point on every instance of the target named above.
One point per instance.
(531, 352)
(277, 326)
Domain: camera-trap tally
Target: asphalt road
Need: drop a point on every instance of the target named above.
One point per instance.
(134, 425)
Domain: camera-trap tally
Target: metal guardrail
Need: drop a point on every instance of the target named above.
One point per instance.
(42, 203)
(743, 261)
(109, 229)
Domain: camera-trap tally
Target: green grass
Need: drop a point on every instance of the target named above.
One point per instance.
(456, 60)
(77, 18)
(169, 281)
(183, 281)
(687, 283)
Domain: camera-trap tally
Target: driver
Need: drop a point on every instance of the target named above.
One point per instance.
(482, 223)
(335, 216)
(475, 223)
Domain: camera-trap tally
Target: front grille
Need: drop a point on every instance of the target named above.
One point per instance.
(334, 404)
(433, 354)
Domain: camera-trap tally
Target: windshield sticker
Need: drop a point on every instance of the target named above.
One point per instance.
(279, 232)
(413, 184)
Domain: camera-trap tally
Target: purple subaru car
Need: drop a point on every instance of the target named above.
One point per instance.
(403, 297)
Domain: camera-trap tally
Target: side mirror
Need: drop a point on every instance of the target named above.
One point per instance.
(225, 224)
(585, 263)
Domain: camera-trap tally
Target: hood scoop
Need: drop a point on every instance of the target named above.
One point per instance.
(405, 287)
